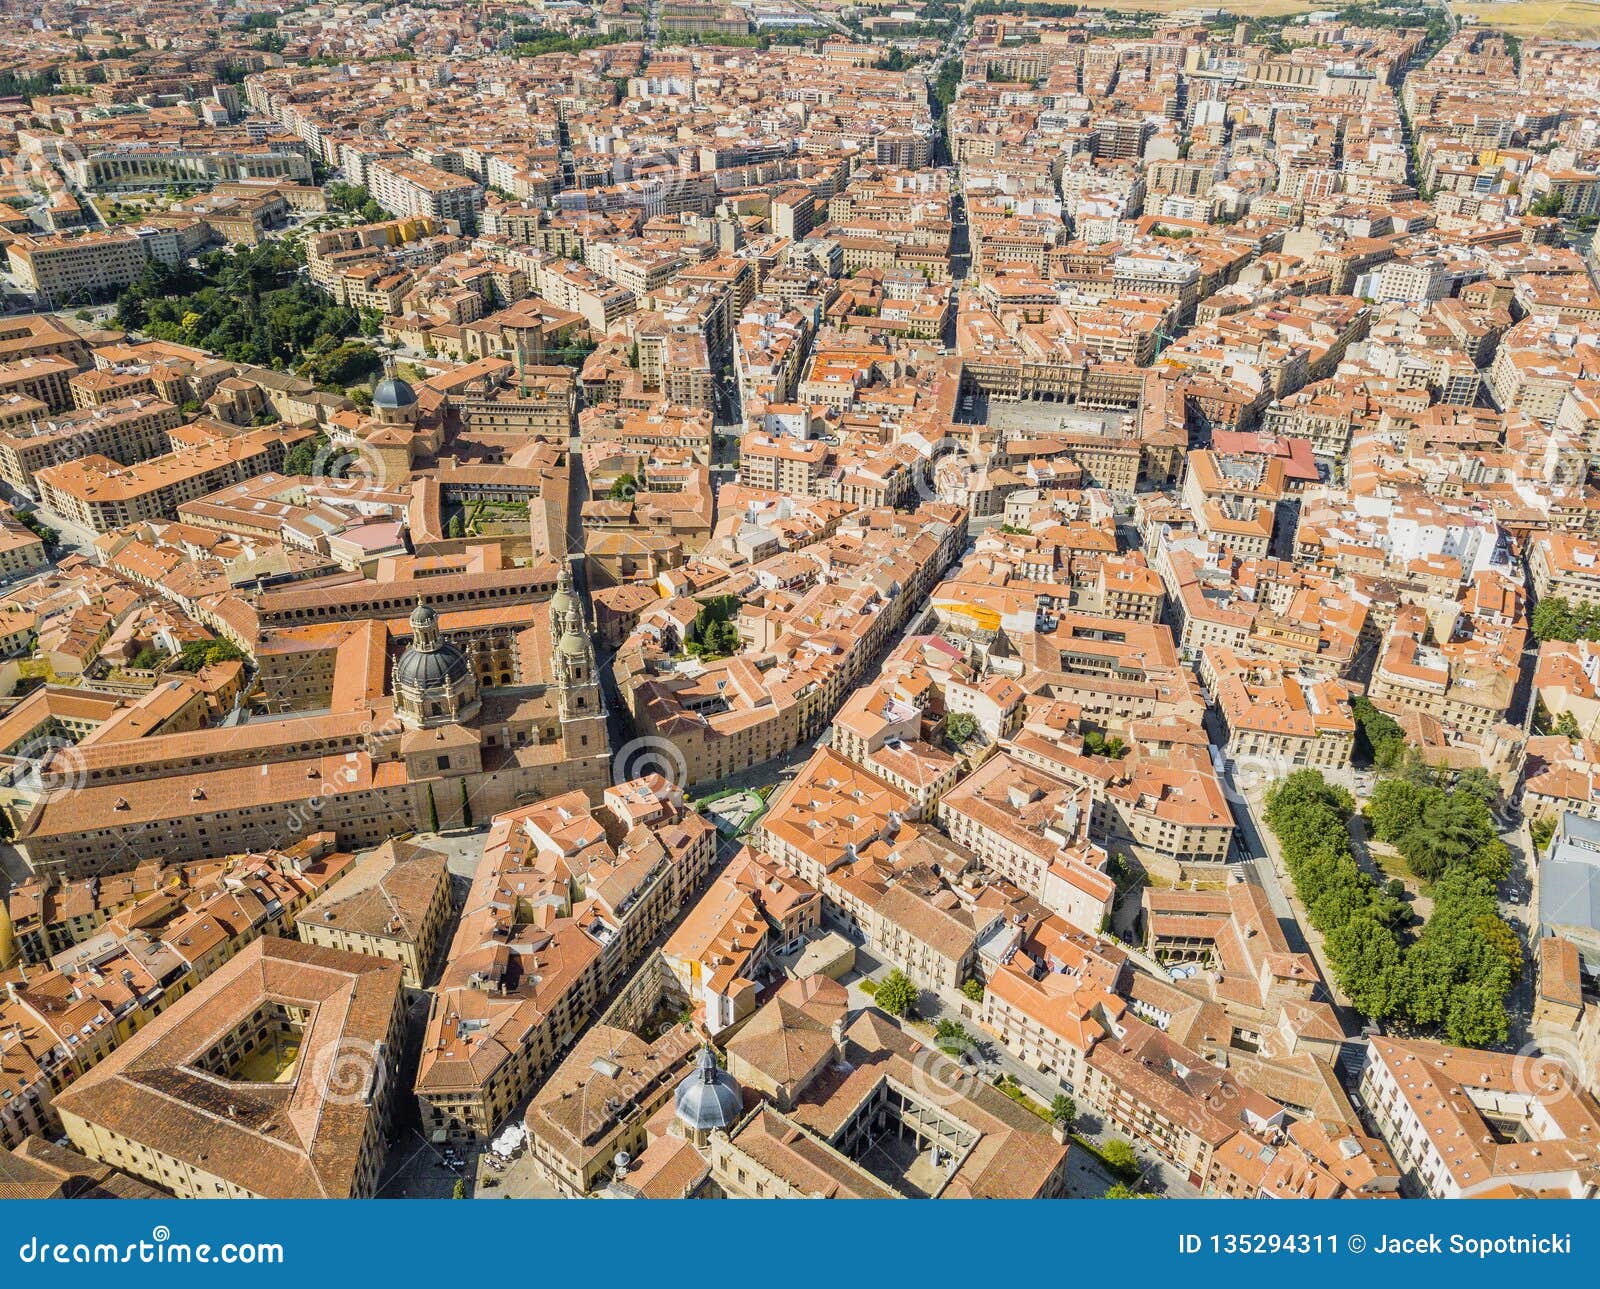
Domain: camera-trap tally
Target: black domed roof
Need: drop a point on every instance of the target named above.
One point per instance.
(709, 1098)
(393, 393)
(432, 669)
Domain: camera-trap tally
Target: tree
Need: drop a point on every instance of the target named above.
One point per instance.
(1063, 1110)
(623, 488)
(1477, 782)
(897, 993)
(1366, 958)
(148, 658)
(433, 811)
(1451, 828)
(1567, 726)
(1555, 619)
(959, 728)
(1393, 809)
(302, 457)
(459, 1190)
(31, 521)
(1434, 828)
(713, 633)
(1380, 741)
(972, 988)
(456, 527)
(1120, 1159)
(338, 365)
(466, 806)
(196, 654)
(249, 305)
(1477, 1017)
(1119, 1190)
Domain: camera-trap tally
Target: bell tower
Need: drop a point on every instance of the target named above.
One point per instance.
(577, 674)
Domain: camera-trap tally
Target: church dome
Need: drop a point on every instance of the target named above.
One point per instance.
(573, 646)
(393, 394)
(431, 664)
(709, 1099)
(430, 669)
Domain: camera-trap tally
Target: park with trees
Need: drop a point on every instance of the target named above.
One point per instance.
(250, 305)
(1453, 973)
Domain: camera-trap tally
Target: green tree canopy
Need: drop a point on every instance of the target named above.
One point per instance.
(1120, 1159)
(897, 993)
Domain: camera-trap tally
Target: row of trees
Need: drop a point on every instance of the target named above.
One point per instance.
(531, 42)
(1456, 972)
(20, 84)
(987, 8)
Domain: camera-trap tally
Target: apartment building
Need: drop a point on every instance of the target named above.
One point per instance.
(1276, 713)
(124, 431)
(1565, 566)
(1033, 829)
(42, 382)
(1466, 1124)
(1466, 683)
(102, 494)
(594, 1108)
(80, 268)
(557, 914)
(407, 187)
(393, 903)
